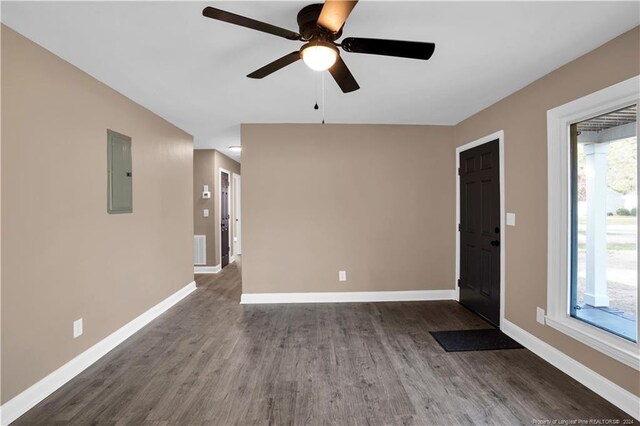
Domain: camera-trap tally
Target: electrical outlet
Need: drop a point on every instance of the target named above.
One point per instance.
(540, 315)
(342, 275)
(205, 212)
(77, 328)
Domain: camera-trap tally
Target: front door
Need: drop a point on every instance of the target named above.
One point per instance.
(480, 230)
(224, 219)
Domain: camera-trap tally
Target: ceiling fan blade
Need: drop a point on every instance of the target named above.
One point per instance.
(276, 65)
(334, 13)
(398, 48)
(232, 18)
(343, 76)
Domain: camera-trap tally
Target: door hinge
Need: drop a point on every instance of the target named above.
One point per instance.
(459, 227)
(459, 171)
(458, 282)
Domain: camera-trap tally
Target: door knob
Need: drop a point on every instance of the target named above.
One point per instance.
(495, 243)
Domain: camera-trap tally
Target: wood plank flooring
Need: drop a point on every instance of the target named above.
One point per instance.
(211, 361)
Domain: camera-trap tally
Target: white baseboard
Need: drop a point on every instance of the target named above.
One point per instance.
(26, 400)
(232, 259)
(613, 393)
(343, 297)
(206, 269)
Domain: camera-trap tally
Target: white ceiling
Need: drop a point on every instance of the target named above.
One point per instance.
(191, 70)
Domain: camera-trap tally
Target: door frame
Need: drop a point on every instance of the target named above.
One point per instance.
(500, 136)
(220, 213)
(237, 223)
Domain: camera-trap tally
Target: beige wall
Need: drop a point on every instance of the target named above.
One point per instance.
(206, 171)
(378, 201)
(203, 171)
(374, 200)
(64, 257)
(522, 116)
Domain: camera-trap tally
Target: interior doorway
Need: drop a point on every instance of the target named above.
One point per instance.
(237, 205)
(224, 218)
(480, 226)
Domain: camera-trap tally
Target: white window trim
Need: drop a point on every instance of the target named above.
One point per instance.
(559, 229)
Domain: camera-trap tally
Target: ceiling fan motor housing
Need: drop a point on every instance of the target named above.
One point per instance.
(309, 28)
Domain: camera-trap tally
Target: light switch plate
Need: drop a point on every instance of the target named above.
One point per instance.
(342, 275)
(205, 212)
(511, 219)
(77, 328)
(540, 315)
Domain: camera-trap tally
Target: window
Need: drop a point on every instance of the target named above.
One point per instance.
(119, 175)
(592, 286)
(604, 227)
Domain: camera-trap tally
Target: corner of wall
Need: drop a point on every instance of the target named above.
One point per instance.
(1, 333)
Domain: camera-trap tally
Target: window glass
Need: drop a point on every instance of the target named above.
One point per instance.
(604, 222)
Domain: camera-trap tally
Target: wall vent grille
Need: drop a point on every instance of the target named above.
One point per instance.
(199, 249)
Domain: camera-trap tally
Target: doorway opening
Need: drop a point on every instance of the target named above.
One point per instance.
(480, 226)
(225, 217)
(237, 226)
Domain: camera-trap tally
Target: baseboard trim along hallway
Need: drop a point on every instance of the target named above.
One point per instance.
(347, 296)
(207, 269)
(26, 400)
(613, 393)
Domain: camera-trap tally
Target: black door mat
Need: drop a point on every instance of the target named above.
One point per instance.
(490, 339)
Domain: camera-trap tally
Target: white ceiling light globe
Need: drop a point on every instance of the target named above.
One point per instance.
(319, 56)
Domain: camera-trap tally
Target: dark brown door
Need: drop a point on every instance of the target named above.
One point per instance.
(224, 218)
(480, 230)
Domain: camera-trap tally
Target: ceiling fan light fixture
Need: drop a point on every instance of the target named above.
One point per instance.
(319, 55)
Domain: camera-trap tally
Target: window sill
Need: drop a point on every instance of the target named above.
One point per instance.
(613, 346)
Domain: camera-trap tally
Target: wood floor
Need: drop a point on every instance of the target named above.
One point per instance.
(210, 361)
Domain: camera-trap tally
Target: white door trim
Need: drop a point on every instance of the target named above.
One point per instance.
(228, 173)
(500, 136)
(237, 225)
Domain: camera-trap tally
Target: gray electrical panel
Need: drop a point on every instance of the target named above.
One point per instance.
(120, 173)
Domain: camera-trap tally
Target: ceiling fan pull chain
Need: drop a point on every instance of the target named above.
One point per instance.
(317, 89)
(322, 97)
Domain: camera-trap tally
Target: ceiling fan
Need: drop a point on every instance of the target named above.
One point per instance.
(320, 25)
